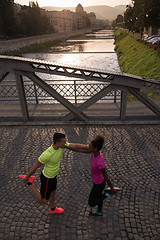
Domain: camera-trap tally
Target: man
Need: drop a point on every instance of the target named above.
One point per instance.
(50, 158)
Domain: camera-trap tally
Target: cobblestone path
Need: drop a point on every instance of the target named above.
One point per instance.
(132, 155)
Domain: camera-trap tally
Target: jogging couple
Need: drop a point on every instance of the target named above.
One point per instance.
(51, 158)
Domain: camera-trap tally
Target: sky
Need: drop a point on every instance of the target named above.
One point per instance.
(74, 3)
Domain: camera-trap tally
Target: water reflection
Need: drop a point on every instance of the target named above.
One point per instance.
(91, 45)
(102, 41)
(107, 62)
(84, 52)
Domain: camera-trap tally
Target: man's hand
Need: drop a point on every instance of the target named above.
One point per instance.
(31, 171)
(25, 180)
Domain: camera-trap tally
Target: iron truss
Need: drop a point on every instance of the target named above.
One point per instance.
(116, 81)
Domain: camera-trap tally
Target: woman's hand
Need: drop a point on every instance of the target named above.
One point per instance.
(113, 191)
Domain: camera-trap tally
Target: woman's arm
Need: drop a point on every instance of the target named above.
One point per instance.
(78, 147)
(103, 171)
(32, 170)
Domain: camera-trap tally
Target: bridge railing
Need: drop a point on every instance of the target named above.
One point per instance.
(88, 86)
(74, 91)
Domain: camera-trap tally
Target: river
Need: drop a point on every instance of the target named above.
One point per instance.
(94, 51)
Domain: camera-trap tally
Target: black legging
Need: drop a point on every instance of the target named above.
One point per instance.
(96, 197)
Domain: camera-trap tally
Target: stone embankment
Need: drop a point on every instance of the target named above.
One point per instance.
(16, 44)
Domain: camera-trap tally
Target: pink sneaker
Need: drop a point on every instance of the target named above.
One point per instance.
(30, 179)
(56, 210)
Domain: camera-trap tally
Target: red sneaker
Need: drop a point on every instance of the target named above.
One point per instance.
(30, 179)
(56, 210)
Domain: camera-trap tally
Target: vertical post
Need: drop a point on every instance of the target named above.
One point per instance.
(115, 96)
(75, 92)
(22, 96)
(35, 91)
(123, 106)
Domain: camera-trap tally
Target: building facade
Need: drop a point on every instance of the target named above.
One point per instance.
(67, 20)
(61, 20)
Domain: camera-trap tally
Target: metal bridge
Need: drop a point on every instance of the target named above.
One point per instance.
(38, 71)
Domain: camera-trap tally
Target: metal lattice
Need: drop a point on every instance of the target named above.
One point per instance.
(72, 90)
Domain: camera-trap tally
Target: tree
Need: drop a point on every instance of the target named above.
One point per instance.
(33, 22)
(153, 13)
(8, 24)
(119, 21)
(129, 18)
(119, 18)
(142, 13)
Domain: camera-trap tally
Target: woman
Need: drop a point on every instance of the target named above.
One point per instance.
(98, 172)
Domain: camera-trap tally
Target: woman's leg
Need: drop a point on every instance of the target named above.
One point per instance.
(102, 196)
(96, 197)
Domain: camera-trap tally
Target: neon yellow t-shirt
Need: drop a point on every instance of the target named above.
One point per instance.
(51, 159)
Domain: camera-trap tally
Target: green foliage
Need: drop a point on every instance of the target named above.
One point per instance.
(119, 18)
(135, 57)
(7, 19)
(29, 22)
(142, 13)
(33, 22)
(119, 21)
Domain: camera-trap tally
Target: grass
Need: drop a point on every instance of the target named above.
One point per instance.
(135, 57)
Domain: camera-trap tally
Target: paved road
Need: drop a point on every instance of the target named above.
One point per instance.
(132, 154)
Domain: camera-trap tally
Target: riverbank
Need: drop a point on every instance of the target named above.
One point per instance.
(134, 57)
(37, 43)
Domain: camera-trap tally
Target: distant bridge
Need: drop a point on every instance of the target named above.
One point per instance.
(37, 71)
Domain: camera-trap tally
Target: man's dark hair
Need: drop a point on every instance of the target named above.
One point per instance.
(57, 137)
(98, 142)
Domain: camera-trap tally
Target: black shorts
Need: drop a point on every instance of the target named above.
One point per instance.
(47, 186)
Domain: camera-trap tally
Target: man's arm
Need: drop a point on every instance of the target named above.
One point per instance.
(32, 170)
(78, 147)
(103, 171)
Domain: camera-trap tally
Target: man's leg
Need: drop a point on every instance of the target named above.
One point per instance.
(37, 195)
(35, 190)
(53, 208)
(51, 199)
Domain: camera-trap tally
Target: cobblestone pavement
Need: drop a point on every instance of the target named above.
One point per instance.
(132, 154)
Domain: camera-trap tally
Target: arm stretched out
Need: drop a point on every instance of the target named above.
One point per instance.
(78, 147)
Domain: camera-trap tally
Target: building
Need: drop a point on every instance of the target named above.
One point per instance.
(67, 20)
(83, 18)
(61, 20)
(151, 31)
